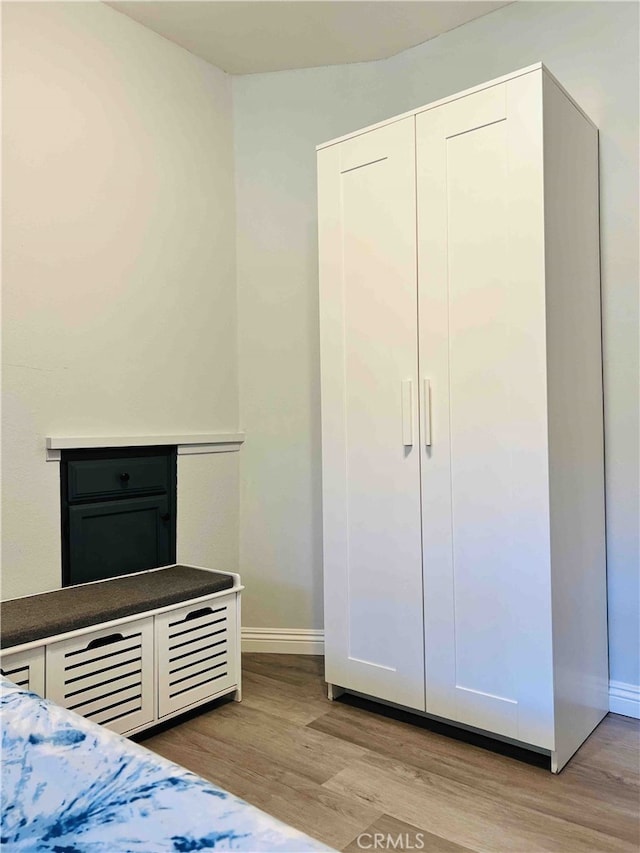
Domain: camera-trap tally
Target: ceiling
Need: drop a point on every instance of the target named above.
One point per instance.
(250, 36)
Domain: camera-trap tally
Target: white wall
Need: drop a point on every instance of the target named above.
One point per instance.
(278, 119)
(119, 306)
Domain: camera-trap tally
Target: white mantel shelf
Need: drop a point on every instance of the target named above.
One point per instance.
(211, 442)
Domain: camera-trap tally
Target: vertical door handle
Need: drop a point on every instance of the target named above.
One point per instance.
(427, 413)
(407, 412)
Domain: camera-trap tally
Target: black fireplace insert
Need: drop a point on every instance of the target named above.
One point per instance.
(118, 511)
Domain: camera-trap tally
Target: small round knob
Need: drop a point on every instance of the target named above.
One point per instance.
(165, 516)
(124, 477)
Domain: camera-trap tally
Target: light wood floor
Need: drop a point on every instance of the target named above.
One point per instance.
(335, 770)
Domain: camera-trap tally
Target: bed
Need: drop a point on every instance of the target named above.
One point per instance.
(71, 786)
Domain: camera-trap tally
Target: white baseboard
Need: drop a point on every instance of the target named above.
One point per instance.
(624, 699)
(283, 641)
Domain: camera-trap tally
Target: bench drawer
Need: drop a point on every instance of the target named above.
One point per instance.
(26, 669)
(196, 653)
(106, 675)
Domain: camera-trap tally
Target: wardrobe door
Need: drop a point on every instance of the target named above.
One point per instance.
(484, 450)
(371, 480)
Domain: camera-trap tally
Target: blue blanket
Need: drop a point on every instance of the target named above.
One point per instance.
(70, 786)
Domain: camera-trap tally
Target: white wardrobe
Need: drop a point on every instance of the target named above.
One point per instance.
(462, 434)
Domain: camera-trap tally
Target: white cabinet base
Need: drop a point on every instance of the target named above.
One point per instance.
(557, 759)
(334, 692)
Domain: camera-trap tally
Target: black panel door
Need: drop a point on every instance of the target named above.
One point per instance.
(117, 537)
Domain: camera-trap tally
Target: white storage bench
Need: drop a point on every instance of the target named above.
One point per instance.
(128, 652)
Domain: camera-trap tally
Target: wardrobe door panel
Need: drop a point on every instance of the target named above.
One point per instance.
(484, 474)
(371, 479)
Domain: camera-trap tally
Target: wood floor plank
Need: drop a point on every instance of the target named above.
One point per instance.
(334, 770)
(613, 750)
(306, 752)
(299, 802)
(291, 669)
(388, 833)
(463, 814)
(282, 699)
(572, 795)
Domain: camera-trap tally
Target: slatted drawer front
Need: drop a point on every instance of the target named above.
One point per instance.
(196, 649)
(26, 669)
(106, 676)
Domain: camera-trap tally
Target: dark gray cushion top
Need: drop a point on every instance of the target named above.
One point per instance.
(36, 616)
